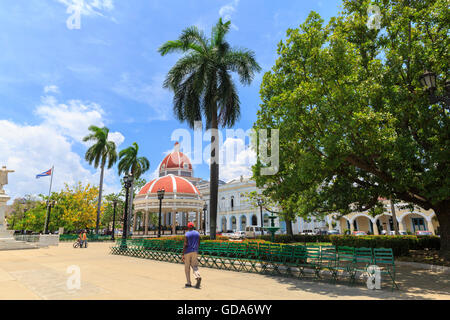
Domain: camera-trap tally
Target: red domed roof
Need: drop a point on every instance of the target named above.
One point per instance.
(170, 183)
(176, 160)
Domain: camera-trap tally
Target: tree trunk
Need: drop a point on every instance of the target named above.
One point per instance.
(100, 189)
(214, 177)
(289, 230)
(394, 218)
(442, 211)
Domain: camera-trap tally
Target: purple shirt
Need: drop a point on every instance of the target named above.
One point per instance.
(192, 238)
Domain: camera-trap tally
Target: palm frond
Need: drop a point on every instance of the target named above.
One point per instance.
(243, 62)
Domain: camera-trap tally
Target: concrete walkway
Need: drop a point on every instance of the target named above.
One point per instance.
(42, 274)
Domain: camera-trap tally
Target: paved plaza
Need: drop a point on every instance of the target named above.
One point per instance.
(42, 274)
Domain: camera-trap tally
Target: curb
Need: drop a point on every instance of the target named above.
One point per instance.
(424, 266)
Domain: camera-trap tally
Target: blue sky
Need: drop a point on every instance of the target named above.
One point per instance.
(56, 81)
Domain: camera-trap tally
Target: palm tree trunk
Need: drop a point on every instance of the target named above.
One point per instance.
(214, 177)
(99, 199)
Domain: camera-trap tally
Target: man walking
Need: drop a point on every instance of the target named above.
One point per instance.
(190, 253)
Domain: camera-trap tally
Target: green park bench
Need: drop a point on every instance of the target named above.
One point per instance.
(268, 258)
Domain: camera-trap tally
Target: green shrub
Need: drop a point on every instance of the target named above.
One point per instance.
(399, 244)
(285, 238)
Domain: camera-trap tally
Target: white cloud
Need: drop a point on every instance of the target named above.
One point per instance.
(74, 118)
(116, 137)
(32, 149)
(51, 89)
(90, 7)
(238, 159)
(227, 11)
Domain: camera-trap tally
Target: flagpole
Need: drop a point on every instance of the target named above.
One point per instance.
(48, 203)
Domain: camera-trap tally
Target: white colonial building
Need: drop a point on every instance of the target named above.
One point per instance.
(236, 211)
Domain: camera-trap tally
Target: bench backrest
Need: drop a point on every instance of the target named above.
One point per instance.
(383, 256)
(363, 255)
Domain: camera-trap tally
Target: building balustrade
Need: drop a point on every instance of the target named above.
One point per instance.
(236, 208)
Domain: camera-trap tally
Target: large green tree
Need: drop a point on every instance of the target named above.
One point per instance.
(102, 153)
(355, 122)
(130, 163)
(203, 88)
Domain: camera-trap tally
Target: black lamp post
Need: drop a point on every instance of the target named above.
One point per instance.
(51, 204)
(127, 181)
(428, 81)
(260, 204)
(205, 207)
(160, 198)
(114, 219)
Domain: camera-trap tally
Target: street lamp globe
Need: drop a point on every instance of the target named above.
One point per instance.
(428, 80)
(161, 193)
(127, 180)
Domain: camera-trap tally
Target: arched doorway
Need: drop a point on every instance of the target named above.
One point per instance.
(224, 224)
(243, 223)
(417, 221)
(362, 222)
(254, 220)
(233, 223)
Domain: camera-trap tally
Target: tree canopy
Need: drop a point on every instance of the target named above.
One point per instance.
(355, 122)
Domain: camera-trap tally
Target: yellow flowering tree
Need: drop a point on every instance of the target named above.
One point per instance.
(76, 208)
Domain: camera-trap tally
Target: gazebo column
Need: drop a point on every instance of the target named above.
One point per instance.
(173, 216)
(187, 218)
(134, 221)
(196, 220)
(201, 222)
(146, 223)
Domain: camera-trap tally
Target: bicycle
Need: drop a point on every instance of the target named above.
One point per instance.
(77, 244)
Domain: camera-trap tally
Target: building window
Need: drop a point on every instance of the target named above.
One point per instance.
(232, 202)
(418, 224)
(254, 221)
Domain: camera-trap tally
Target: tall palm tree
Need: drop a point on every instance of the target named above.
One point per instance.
(203, 88)
(102, 153)
(130, 162)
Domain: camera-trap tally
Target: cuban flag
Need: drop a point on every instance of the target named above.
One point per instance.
(44, 174)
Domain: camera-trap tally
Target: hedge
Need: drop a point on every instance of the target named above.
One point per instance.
(285, 238)
(90, 237)
(399, 244)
